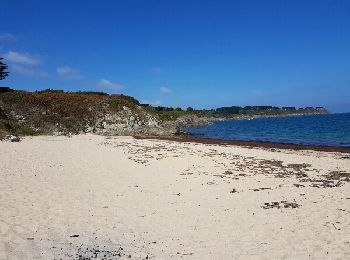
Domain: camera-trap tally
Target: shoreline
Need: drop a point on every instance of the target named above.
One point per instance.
(262, 116)
(296, 147)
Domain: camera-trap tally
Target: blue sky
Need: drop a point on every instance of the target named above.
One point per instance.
(184, 53)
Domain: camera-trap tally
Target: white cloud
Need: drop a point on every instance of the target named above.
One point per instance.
(7, 37)
(68, 73)
(21, 63)
(153, 103)
(22, 58)
(166, 90)
(104, 83)
(28, 72)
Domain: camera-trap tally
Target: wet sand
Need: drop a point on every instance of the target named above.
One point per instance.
(93, 197)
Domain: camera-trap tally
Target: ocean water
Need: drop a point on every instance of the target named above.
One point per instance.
(325, 130)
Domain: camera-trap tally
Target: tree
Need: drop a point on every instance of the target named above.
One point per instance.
(3, 68)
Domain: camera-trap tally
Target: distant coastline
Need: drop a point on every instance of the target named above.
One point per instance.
(193, 120)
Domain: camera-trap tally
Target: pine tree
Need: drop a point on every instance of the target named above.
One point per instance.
(3, 68)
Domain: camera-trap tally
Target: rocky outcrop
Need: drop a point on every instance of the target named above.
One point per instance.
(194, 120)
(11, 138)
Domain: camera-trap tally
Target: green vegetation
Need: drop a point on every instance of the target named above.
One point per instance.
(171, 114)
(5, 126)
(3, 69)
(49, 90)
(5, 89)
(41, 112)
(77, 92)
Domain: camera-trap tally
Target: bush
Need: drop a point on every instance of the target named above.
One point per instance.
(71, 111)
(5, 89)
(49, 90)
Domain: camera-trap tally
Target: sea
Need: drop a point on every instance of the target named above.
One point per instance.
(320, 130)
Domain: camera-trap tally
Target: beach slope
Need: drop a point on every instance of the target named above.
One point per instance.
(89, 197)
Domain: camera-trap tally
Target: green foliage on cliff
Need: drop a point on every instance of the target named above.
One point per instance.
(42, 111)
(3, 69)
(171, 114)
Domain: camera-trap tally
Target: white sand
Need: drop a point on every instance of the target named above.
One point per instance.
(162, 200)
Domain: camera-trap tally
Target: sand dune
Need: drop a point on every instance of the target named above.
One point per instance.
(91, 197)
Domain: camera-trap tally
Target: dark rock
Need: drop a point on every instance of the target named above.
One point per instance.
(11, 138)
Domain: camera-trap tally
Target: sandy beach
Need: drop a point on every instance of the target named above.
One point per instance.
(94, 197)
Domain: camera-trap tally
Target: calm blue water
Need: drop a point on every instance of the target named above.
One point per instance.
(328, 130)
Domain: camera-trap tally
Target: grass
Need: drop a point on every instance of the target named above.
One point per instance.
(172, 115)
